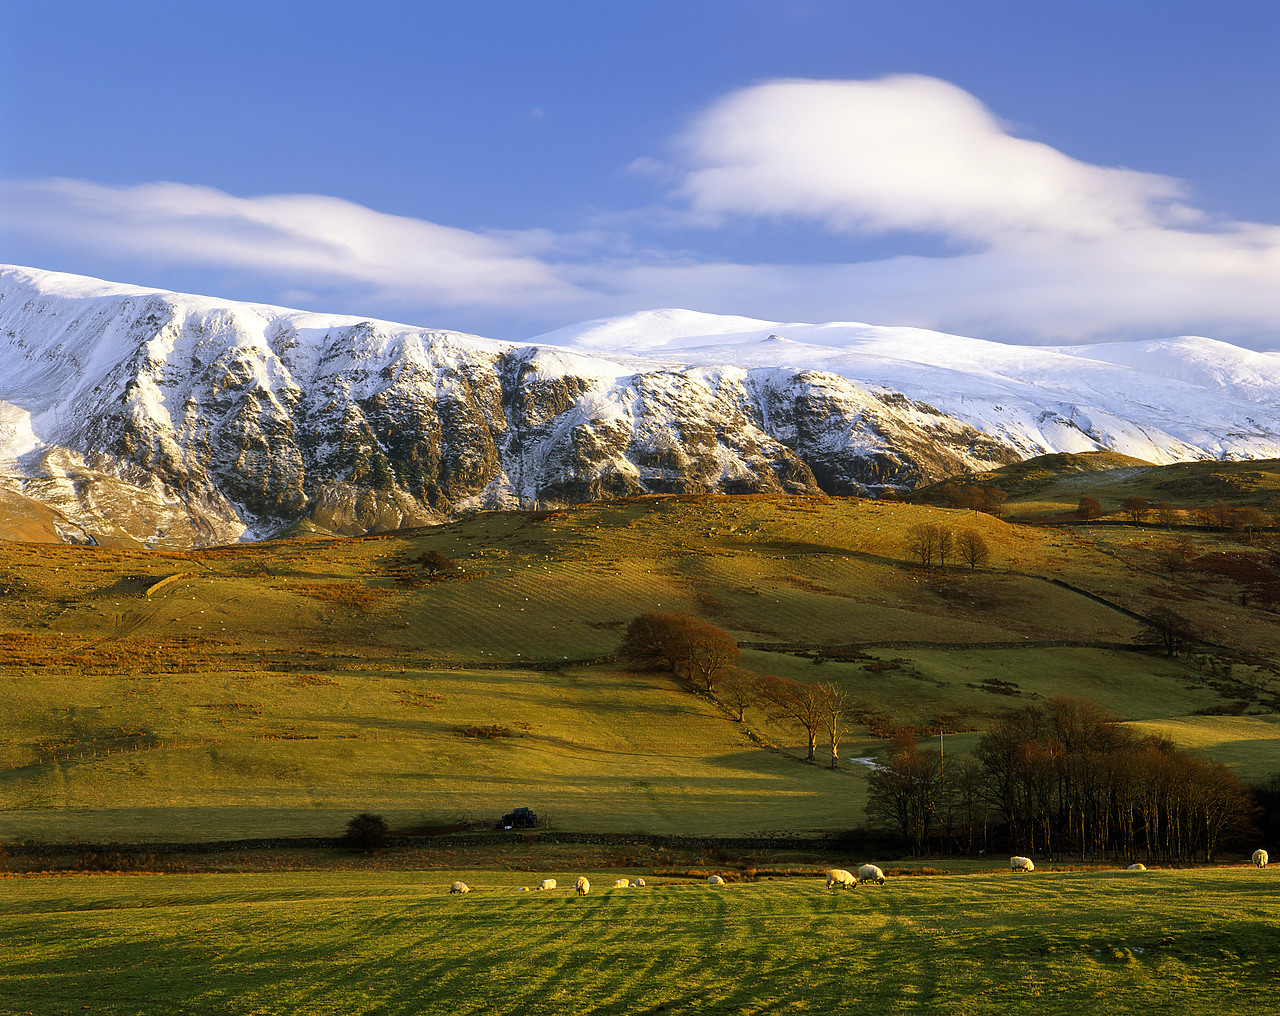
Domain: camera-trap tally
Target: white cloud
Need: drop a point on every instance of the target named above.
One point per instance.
(303, 239)
(903, 153)
(1049, 248)
(1054, 248)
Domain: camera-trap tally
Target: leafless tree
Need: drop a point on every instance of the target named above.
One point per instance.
(972, 548)
(740, 690)
(837, 702)
(799, 703)
(1136, 507)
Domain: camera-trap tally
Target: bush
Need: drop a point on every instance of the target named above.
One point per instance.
(367, 832)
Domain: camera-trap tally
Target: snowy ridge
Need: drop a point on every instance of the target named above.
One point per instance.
(179, 420)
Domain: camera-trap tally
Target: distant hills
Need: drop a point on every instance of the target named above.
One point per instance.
(131, 416)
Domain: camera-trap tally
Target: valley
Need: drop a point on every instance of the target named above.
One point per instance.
(275, 689)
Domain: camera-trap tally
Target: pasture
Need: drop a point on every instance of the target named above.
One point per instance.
(278, 688)
(1066, 942)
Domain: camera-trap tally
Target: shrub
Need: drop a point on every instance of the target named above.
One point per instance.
(367, 832)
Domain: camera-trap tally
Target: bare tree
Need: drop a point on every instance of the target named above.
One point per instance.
(1136, 507)
(1219, 514)
(903, 792)
(928, 541)
(921, 543)
(798, 703)
(972, 548)
(1167, 513)
(686, 645)
(740, 690)
(1171, 630)
(837, 703)
(710, 653)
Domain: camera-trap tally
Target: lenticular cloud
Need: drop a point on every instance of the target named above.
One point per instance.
(904, 153)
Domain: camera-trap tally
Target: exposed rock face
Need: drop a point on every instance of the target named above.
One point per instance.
(183, 421)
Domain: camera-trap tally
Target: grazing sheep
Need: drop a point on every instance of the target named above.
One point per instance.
(715, 880)
(622, 883)
(582, 885)
(838, 876)
(547, 883)
(459, 887)
(870, 873)
(638, 884)
(1021, 864)
(1260, 858)
(1139, 866)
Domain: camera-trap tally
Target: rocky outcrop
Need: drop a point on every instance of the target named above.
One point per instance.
(180, 421)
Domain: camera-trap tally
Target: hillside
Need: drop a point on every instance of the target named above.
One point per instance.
(281, 687)
(1049, 487)
(143, 418)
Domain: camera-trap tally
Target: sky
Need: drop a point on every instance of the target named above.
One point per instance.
(1022, 170)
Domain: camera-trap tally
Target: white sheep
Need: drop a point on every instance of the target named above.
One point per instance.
(582, 885)
(622, 883)
(870, 873)
(638, 884)
(459, 887)
(1137, 866)
(1021, 864)
(1260, 858)
(838, 876)
(547, 883)
(715, 880)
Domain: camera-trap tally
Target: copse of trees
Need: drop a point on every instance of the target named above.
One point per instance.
(983, 499)
(933, 544)
(1066, 777)
(684, 644)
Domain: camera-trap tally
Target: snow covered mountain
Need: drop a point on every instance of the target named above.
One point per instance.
(146, 416)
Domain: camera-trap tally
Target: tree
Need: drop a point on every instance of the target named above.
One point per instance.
(1219, 514)
(972, 548)
(434, 563)
(1089, 508)
(929, 541)
(1167, 513)
(709, 653)
(921, 544)
(1136, 507)
(686, 645)
(1170, 630)
(796, 702)
(656, 638)
(739, 690)
(836, 703)
(366, 832)
(903, 792)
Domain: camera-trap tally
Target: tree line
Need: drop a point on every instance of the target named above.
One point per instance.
(1059, 779)
(707, 657)
(932, 544)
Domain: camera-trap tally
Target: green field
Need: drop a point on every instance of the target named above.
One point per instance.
(395, 942)
(279, 688)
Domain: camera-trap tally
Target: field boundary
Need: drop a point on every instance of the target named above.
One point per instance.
(834, 842)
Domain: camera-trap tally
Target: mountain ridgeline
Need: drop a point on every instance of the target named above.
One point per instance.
(138, 416)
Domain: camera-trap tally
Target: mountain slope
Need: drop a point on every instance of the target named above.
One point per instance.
(158, 418)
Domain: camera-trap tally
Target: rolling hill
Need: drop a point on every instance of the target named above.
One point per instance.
(277, 688)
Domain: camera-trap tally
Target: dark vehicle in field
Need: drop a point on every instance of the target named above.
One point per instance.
(520, 818)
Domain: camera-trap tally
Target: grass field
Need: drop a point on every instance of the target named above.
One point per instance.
(279, 688)
(1173, 942)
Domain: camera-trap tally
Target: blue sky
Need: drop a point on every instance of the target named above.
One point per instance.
(1018, 169)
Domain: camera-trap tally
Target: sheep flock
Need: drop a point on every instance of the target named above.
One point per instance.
(836, 878)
